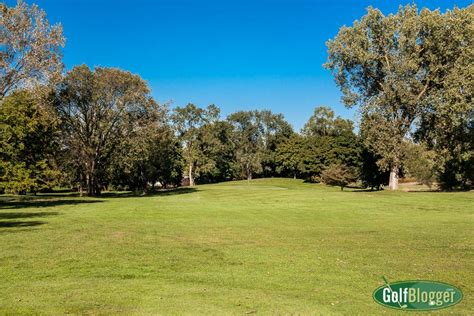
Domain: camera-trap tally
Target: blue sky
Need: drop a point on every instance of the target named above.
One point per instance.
(236, 54)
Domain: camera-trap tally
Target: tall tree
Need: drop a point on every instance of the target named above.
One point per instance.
(249, 142)
(28, 142)
(258, 134)
(326, 140)
(320, 123)
(98, 110)
(274, 131)
(30, 48)
(149, 156)
(447, 126)
(217, 142)
(393, 67)
(188, 120)
(290, 156)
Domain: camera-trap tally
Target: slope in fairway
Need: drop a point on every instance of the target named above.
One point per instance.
(269, 246)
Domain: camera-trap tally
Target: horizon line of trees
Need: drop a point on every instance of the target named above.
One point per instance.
(410, 74)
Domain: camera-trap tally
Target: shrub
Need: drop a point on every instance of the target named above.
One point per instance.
(339, 175)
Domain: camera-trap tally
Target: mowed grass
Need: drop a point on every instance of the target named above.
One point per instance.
(272, 246)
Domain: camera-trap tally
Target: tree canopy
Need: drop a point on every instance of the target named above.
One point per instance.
(28, 142)
(30, 48)
(401, 68)
(99, 109)
(410, 74)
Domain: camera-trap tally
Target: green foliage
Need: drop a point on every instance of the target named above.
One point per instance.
(369, 172)
(338, 175)
(30, 48)
(150, 156)
(28, 134)
(326, 140)
(274, 131)
(420, 163)
(289, 156)
(99, 110)
(404, 68)
(411, 73)
(189, 122)
(218, 144)
(249, 142)
(382, 138)
(257, 135)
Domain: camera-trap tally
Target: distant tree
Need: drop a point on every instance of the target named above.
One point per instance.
(30, 48)
(258, 135)
(420, 163)
(395, 68)
(28, 135)
(218, 144)
(345, 144)
(188, 120)
(166, 160)
(327, 140)
(339, 175)
(321, 123)
(249, 141)
(274, 131)
(290, 156)
(98, 110)
(316, 155)
(152, 155)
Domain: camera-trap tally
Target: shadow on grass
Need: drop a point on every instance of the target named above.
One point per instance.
(26, 215)
(8, 204)
(168, 192)
(18, 224)
(22, 225)
(365, 190)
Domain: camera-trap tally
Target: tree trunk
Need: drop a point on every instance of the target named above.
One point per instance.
(190, 175)
(248, 172)
(81, 184)
(93, 188)
(393, 181)
(97, 188)
(90, 185)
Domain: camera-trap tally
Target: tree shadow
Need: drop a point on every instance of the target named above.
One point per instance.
(7, 223)
(164, 192)
(19, 224)
(8, 204)
(427, 191)
(358, 190)
(26, 214)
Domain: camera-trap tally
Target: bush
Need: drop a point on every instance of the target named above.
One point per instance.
(339, 175)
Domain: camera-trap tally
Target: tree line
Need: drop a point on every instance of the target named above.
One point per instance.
(410, 74)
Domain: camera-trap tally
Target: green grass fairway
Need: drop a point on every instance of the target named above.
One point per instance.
(274, 246)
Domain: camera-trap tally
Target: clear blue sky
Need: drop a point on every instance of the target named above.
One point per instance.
(243, 54)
